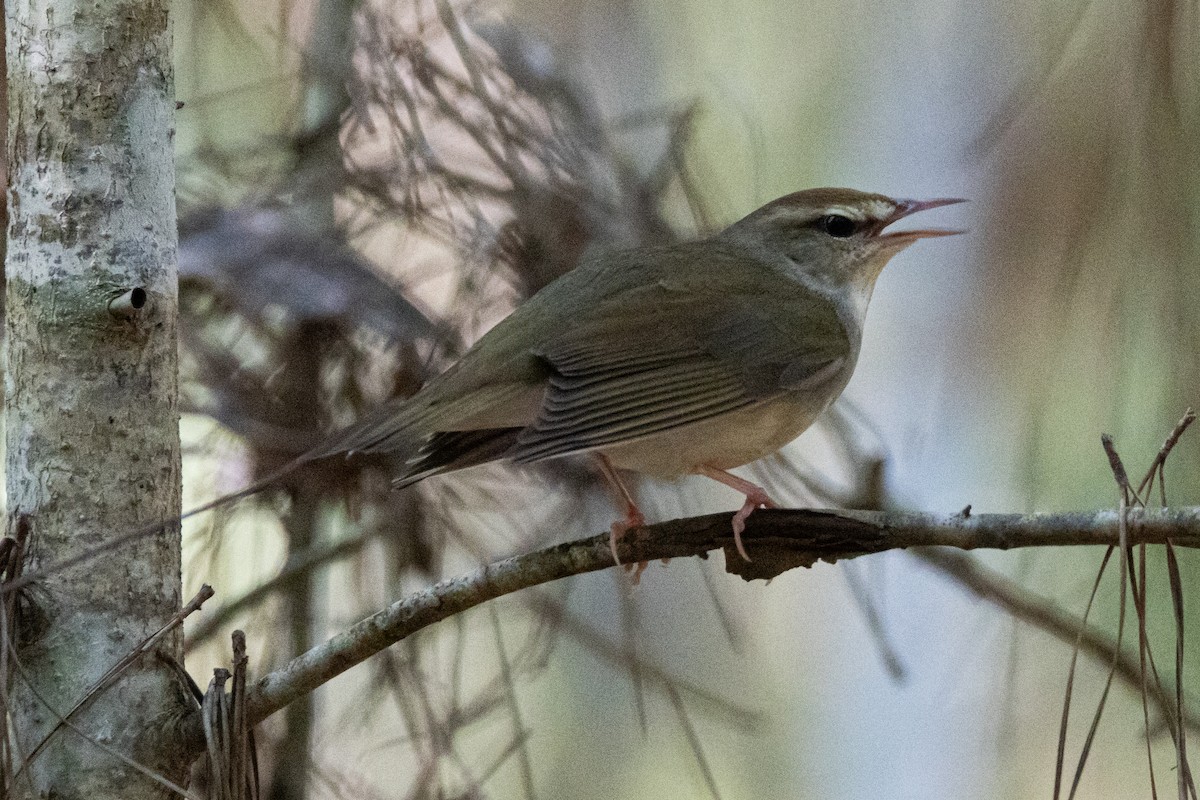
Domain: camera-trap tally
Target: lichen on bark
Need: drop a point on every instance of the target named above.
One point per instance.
(91, 398)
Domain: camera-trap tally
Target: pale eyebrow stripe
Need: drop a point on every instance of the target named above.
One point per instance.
(845, 211)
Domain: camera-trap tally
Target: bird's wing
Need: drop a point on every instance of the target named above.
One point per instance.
(670, 354)
(497, 384)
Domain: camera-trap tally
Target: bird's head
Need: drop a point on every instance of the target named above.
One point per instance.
(834, 237)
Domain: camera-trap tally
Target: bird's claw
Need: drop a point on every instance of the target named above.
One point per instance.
(754, 499)
(633, 519)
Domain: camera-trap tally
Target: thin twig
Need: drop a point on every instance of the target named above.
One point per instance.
(146, 645)
(1117, 467)
(1183, 769)
(298, 565)
(514, 708)
(1139, 604)
(861, 595)
(1060, 756)
(1188, 418)
(694, 742)
(1123, 545)
(623, 655)
(71, 726)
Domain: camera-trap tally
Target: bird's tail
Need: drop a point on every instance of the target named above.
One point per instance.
(394, 427)
(449, 451)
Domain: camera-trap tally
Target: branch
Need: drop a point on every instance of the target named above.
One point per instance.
(778, 540)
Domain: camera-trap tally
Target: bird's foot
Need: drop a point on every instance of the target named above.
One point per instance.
(633, 514)
(618, 530)
(756, 497)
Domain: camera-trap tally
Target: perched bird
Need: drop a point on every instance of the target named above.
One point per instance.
(686, 359)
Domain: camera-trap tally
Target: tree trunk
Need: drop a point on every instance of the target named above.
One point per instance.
(91, 389)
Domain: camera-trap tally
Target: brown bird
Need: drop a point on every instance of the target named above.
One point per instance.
(687, 359)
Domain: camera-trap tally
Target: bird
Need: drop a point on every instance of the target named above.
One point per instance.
(689, 358)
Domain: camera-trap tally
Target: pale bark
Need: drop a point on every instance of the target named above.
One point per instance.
(91, 395)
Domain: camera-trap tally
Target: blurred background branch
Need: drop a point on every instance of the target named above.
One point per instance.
(367, 188)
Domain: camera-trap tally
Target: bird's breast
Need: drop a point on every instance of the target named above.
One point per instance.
(724, 441)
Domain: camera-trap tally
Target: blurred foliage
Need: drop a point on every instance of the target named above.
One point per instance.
(340, 264)
(1089, 306)
(1090, 262)
(329, 263)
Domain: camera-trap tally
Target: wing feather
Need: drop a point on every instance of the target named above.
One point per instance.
(671, 354)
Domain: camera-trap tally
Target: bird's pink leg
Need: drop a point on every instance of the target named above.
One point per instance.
(755, 498)
(633, 514)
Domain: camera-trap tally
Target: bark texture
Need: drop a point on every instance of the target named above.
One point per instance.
(91, 391)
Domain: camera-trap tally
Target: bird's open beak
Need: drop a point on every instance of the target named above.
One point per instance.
(906, 207)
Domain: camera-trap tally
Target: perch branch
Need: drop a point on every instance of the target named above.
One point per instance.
(778, 540)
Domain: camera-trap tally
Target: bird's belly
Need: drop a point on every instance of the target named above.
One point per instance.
(726, 441)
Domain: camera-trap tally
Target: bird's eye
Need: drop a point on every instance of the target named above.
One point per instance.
(837, 226)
